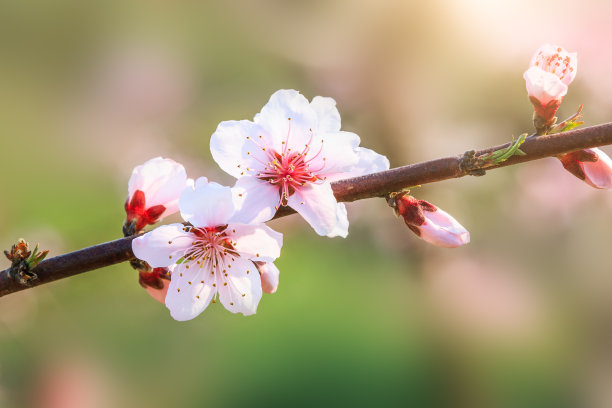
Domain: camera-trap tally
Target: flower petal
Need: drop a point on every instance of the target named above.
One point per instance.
(328, 117)
(269, 276)
(256, 242)
(441, 229)
(256, 200)
(342, 222)
(234, 146)
(337, 153)
(162, 181)
(163, 246)
(287, 117)
(317, 205)
(191, 289)
(544, 86)
(240, 286)
(369, 162)
(207, 205)
(599, 173)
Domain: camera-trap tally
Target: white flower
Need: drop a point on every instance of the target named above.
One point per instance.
(288, 156)
(214, 256)
(154, 190)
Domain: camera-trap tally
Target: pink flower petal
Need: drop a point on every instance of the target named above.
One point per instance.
(240, 291)
(328, 117)
(269, 276)
(337, 153)
(342, 222)
(257, 242)
(207, 205)
(233, 147)
(256, 200)
(599, 173)
(162, 181)
(544, 86)
(191, 290)
(369, 162)
(317, 204)
(163, 246)
(287, 112)
(443, 230)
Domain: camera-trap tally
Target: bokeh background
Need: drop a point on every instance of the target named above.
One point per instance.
(520, 317)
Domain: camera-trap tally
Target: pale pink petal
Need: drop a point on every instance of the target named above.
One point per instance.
(269, 276)
(557, 60)
(544, 86)
(287, 117)
(369, 162)
(317, 205)
(234, 146)
(337, 153)
(239, 286)
(256, 242)
(443, 230)
(191, 290)
(342, 222)
(163, 246)
(256, 200)
(328, 117)
(162, 181)
(207, 205)
(599, 173)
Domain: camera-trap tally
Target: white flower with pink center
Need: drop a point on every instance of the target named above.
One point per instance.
(214, 256)
(551, 71)
(288, 155)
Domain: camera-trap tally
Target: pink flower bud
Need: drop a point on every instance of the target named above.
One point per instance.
(551, 70)
(592, 166)
(153, 191)
(156, 283)
(431, 223)
(269, 276)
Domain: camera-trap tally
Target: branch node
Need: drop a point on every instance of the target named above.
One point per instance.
(23, 261)
(471, 164)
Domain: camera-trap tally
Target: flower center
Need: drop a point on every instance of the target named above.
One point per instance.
(209, 247)
(556, 63)
(289, 170)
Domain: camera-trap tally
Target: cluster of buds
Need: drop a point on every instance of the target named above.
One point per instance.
(428, 222)
(23, 260)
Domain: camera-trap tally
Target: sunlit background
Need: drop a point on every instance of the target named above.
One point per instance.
(520, 317)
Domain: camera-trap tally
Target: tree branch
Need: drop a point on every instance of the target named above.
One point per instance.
(356, 188)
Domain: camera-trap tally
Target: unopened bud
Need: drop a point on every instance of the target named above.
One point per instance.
(592, 166)
(429, 222)
(156, 282)
(153, 192)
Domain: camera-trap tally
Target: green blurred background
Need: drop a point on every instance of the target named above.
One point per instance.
(521, 317)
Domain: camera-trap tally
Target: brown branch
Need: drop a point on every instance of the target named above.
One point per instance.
(357, 188)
